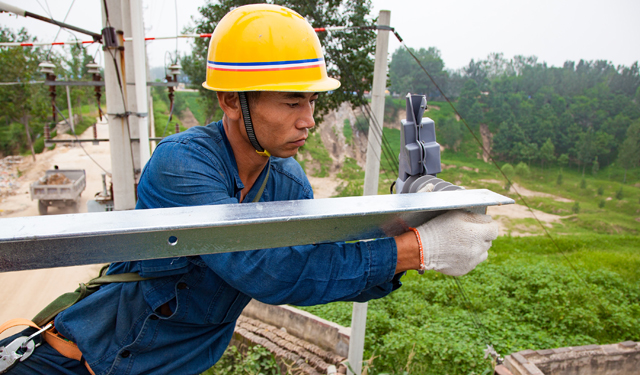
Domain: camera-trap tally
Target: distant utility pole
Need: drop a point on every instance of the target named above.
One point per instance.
(135, 61)
(122, 169)
(371, 174)
(70, 114)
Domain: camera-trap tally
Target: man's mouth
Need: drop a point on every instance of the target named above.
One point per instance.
(300, 142)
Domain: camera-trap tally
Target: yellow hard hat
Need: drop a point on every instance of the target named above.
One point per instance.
(264, 47)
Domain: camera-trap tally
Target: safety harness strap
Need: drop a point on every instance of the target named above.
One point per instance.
(84, 290)
(264, 184)
(248, 124)
(65, 347)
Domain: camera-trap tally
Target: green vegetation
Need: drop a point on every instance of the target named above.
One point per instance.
(526, 296)
(195, 103)
(321, 158)
(354, 179)
(26, 108)
(362, 124)
(161, 112)
(255, 360)
(347, 132)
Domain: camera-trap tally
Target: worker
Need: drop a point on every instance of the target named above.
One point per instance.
(265, 64)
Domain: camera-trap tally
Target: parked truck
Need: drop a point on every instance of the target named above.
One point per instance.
(58, 187)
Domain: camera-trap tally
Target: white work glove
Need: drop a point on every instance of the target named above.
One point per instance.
(456, 242)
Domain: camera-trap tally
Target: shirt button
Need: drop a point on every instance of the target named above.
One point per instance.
(182, 286)
(125, 354)
(154, 317)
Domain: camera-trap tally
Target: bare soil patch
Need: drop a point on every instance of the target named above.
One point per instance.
(188, 119)
(324, 187)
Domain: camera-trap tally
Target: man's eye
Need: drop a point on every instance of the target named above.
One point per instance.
(292, 105)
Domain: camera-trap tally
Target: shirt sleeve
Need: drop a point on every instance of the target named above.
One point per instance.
(311, 274)
(181, 175)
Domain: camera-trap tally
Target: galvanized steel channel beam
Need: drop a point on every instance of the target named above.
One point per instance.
(76, 239)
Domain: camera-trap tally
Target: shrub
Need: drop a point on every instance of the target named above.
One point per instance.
(522, 170)
(347, 132)
(600, 190)
(576, 208)
(601, 203)
(619, 194)
(507, 169)
(255, 360)
(507, 186)
(362, 124)
(583, 184)
(559, 179)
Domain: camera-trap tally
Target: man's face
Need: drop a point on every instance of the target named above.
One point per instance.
(282, 120)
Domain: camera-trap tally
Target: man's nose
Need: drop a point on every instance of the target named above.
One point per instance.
(306, 117)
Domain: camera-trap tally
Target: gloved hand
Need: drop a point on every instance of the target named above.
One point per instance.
(456, 242)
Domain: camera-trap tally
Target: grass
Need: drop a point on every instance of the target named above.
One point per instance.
(527, 296)
(319, 154)
(161, 119)
(191, 100)
(347, 132)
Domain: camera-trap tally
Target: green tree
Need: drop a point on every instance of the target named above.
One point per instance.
(591, 145)
(629, 155)
(407, 77)
(563, 160)
(506, 140)
(547, 152)
(349, 54)
(522, 170)
(75, 65)
(24, 102)
(469, 106)
(528, 151)
(450, 133)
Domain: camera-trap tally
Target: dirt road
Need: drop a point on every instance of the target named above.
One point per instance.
(23, 294)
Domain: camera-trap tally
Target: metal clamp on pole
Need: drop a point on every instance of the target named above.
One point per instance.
(419, 152)
(109, 38)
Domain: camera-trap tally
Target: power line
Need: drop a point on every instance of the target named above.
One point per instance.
(60, 28)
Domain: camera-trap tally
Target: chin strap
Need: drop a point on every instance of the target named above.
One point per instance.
(248, 125)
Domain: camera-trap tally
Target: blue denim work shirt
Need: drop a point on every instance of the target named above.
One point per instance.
(120, 329)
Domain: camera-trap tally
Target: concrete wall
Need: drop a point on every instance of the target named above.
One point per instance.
(323, 333)
(614, 359)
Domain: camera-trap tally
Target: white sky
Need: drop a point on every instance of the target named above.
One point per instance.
(553, 30)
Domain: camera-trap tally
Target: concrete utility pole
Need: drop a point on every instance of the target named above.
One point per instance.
(122, 171)
(372, 171)
(70, 114)
(139, 60)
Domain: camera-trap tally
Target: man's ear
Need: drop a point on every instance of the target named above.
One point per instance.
(230, 104)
